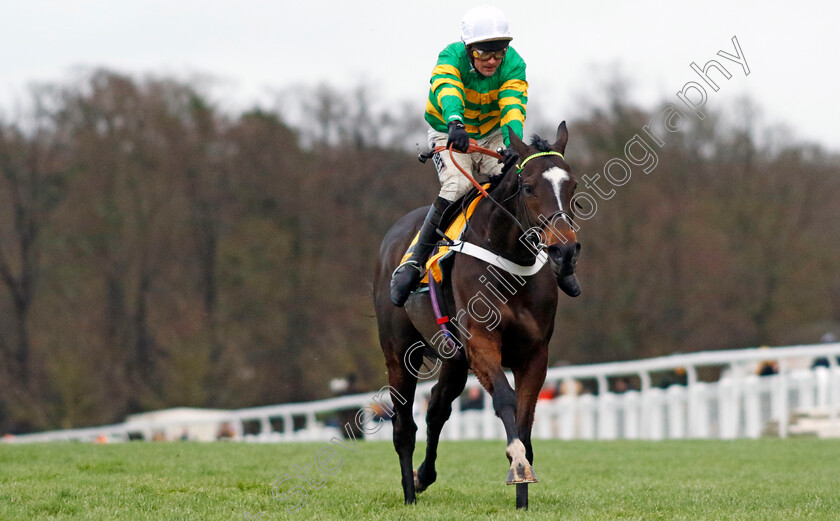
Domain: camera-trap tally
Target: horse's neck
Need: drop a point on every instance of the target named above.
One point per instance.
(496, 230)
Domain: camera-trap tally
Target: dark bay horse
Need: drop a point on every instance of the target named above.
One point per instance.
(502, 320)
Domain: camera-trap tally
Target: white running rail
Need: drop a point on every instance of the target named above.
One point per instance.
(738, 404)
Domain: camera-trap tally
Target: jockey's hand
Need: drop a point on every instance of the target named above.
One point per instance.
(458, 137)
(509, 158)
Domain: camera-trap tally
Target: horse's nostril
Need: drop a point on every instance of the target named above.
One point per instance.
(564, 252)
(556, 253)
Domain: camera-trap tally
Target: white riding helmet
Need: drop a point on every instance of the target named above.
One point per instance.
(483, 24)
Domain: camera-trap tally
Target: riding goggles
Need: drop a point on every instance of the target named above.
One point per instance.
(481, 55)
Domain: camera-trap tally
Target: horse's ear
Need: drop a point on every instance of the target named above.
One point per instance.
(562, 139)
(518, 145)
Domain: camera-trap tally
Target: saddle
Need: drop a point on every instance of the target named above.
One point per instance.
(454, 222)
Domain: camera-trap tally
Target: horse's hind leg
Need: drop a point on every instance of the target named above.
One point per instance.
(449, 387)
(397, 353)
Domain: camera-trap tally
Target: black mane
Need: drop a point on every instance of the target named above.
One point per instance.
(540, 144)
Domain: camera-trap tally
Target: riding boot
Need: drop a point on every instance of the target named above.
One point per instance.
(408, 274)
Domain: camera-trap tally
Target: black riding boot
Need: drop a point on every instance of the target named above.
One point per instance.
(408, 274)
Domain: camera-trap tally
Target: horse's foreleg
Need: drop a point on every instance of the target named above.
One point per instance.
(505, 404)
(405, 430)
(529, 379)
(449, 387)
(488, 369)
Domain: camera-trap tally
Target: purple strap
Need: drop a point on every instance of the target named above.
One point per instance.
(441, 320)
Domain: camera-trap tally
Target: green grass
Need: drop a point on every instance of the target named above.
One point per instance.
(672, 480)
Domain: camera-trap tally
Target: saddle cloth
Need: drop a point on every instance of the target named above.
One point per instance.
(453, 232)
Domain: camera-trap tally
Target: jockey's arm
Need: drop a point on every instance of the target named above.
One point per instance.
(446, 95)
(513, 96)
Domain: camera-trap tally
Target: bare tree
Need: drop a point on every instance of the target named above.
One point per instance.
(31, 186)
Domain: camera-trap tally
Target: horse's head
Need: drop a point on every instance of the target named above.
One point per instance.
(547, 186)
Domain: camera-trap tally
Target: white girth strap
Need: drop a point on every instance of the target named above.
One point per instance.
(488, 256)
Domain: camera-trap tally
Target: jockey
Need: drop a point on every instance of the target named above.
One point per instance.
(478, 90)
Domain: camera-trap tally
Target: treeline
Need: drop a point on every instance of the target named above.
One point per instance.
(156, 251)
(729, 242)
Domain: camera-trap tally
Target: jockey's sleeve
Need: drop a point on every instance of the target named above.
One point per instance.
(446, 95)
(513, 96)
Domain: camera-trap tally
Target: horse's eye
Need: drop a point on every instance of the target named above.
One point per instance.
(528, 189)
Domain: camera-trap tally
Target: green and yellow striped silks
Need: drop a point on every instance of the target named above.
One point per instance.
(483, 104)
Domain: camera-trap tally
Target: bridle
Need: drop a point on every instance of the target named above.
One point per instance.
(566, 215)
(540, 244)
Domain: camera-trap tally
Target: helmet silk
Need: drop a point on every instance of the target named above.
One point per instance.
(484, 23)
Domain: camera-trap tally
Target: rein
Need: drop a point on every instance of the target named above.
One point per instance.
(474, 147)
(487, 152)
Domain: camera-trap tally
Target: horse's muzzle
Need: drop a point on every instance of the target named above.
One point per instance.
(563, 264)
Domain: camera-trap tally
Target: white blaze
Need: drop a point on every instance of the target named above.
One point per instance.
(556, 176)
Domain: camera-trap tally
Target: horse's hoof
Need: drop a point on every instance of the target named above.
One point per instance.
(521, 474)
(418, 487)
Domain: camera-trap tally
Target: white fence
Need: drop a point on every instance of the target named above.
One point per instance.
(737, 404)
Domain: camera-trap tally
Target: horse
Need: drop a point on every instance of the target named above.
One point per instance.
(539, 194)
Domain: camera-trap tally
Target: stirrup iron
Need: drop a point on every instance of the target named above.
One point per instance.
(410, 264)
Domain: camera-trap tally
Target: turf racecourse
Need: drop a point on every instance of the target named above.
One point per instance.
(672, 480)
